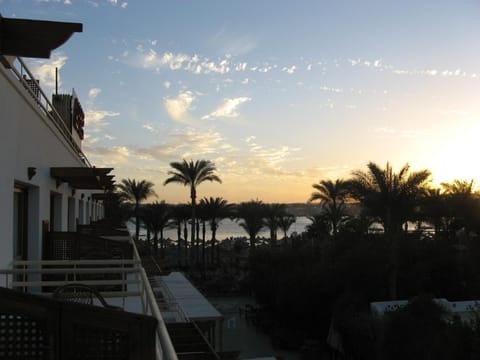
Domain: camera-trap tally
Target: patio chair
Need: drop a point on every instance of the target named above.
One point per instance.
(81, 294)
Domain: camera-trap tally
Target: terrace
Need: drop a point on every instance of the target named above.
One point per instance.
(131, 326)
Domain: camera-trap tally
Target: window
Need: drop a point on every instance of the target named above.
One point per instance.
(20, 222)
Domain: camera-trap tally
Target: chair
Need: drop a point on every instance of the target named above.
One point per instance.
(81, 294)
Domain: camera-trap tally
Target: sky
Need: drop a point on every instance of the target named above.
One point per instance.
(278, 94)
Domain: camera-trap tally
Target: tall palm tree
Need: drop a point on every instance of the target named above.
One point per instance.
(250, 217)
(216, 209)
(192, 174)
(392, 197)
(273, 213)
(332, 196)
(136, 191)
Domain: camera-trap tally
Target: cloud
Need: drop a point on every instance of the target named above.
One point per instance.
(263, 161)
(150, 128)
(179, 106)
(167, 84)
(103, 155)
(228, 109)
(185, 144)
(93, 93)
(289, 70)
(95, 120)
(44, 70)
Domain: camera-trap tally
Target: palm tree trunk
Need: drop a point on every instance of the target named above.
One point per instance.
(185, 236)
(179, 239)
(193, 196)
(137, 221)
(203, 244)
(162, 245)
(214, 232)
(393, 273)
(155, 243)
(197, 253)
(147, 240)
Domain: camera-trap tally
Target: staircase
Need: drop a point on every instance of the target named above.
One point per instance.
(189, 342)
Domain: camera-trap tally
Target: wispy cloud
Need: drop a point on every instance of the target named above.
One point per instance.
(179, 106)
(268, 161)
(185, 143)
(96, 120)
(289, 70)
(228, 109)
(149, 128)
(93, 93)
(44, 70)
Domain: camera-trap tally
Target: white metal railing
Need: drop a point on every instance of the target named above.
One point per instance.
(21, 72)
(37, 276)
(41, 276)
(165, 349)
(171, 303)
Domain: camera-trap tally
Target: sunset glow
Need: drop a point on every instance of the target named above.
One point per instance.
(279, 95)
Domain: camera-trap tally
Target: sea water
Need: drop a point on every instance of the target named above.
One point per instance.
(230, 229)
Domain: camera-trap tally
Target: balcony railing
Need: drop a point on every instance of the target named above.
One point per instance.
(125, 279)
(23, 74)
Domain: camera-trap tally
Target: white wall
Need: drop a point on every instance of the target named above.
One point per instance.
(29, 139)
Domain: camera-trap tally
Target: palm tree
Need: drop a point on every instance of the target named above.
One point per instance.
(434, 210)
(179, 216)
(273, 212)
(462, 204)
(131, 190)
(156, 217)
(216, 209)
(250, 214)
(192, 174)
(332, 196)
(284, 223)
(392, 197)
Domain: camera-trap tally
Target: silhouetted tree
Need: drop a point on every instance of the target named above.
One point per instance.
(392, 197)
(131, 190)
(272, 215)
(332, 196)
(250, 216)
(192, 174)
(216, 209)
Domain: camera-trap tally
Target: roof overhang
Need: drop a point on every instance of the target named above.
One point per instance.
(34, 38)
(84, 177)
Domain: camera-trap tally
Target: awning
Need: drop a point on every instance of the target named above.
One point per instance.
(34, 38)
(84, 177)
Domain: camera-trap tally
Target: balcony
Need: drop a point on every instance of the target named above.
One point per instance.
(120, 280)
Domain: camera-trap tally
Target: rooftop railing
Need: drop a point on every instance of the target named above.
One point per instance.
(23, 74)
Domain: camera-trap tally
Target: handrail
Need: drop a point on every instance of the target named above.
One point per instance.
(210, 347)
(171, 300)
(165, 350)
(48, 109)
(28, 275)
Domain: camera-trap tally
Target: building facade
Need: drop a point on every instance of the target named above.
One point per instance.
(46, 182)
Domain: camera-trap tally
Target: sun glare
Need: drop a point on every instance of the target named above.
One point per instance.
(455, 156)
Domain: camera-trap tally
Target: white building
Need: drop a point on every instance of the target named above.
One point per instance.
(38, 146)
